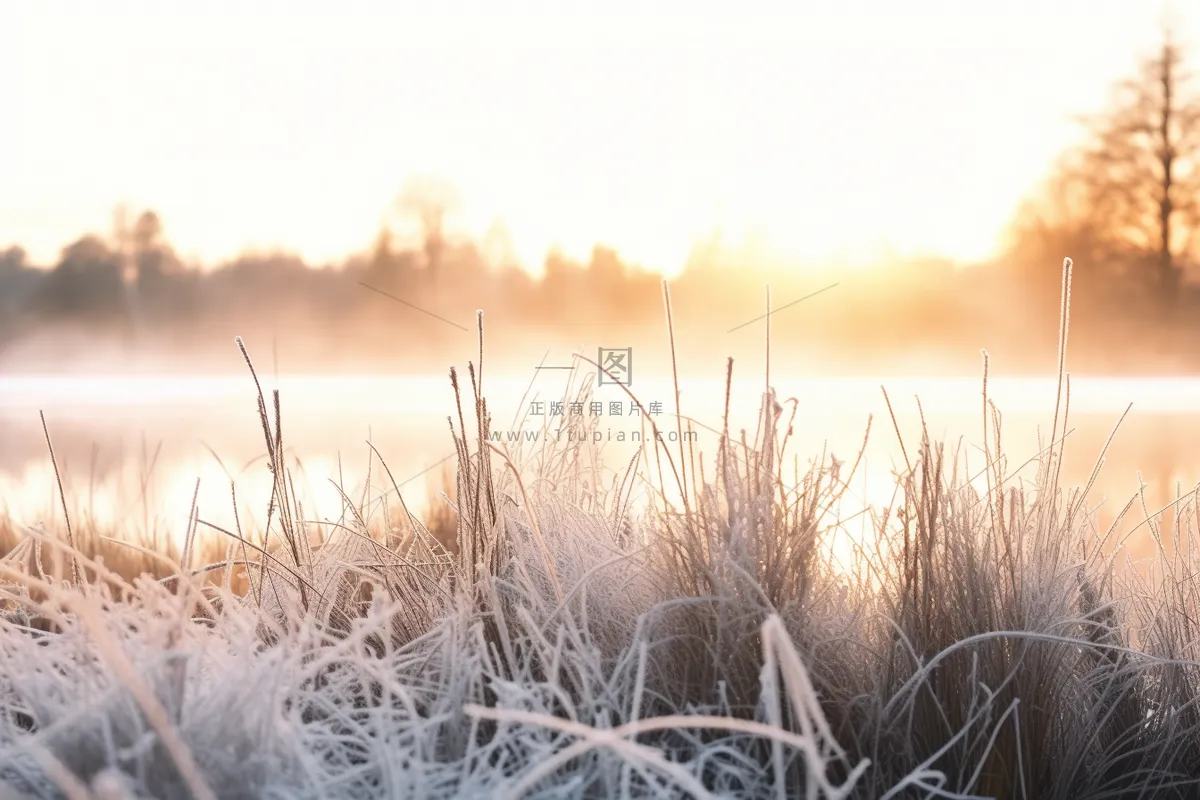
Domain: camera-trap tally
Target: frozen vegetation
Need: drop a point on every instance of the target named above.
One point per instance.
(568, 643)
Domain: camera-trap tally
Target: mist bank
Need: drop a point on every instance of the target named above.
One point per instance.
(131, 304)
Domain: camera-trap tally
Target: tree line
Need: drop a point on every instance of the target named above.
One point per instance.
(1124, 204)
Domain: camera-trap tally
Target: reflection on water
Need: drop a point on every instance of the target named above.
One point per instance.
(132, 448)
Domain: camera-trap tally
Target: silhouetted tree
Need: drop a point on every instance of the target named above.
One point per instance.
(1059, 220)
(430, 200)
(149, 250)
(86, 283)
(12, 260)
(16, 281)
(1138, 177)
(144, 248)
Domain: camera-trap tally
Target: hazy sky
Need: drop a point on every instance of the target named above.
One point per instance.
(833, 128)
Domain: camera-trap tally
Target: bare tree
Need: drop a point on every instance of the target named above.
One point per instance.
(1138, 178)
(429, 200)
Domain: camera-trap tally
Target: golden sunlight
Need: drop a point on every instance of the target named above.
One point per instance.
(250, 131)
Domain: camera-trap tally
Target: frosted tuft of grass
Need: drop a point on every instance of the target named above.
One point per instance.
(574, 640)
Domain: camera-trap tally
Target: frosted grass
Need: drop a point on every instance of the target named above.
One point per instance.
(979, 643)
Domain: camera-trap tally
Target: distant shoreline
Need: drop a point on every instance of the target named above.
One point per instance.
(818, 394)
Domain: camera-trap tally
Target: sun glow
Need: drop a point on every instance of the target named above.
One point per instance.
(643, 132)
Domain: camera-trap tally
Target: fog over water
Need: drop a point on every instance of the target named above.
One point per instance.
(114, 433)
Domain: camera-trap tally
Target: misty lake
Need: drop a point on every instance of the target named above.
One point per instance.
(131, 448)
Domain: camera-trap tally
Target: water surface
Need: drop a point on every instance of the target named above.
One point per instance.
(132, 448)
